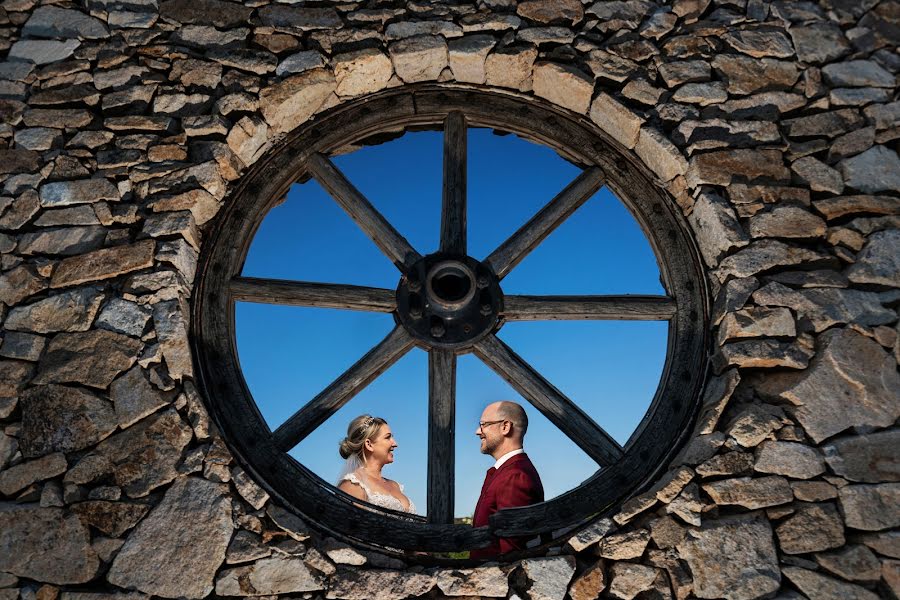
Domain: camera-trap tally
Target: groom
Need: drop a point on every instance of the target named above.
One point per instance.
(513, 480)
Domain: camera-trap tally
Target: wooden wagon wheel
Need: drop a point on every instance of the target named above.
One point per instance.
(448, 303)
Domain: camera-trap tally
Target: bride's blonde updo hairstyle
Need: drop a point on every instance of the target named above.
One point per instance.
(360, 429)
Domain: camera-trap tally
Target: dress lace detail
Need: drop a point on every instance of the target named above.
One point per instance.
(378, 499)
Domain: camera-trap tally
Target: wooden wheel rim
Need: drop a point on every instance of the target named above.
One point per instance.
(664, 426)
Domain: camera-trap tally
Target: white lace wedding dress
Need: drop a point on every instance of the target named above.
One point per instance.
(378, 499)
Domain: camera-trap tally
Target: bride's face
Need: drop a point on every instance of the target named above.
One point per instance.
(382, 444)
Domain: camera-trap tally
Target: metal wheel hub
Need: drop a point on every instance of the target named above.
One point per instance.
(449, 301)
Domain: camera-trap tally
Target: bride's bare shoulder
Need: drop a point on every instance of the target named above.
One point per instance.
(355, 489)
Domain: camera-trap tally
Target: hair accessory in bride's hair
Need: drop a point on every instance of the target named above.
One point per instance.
(365, 424)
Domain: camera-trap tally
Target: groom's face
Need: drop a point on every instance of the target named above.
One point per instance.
(491, 435)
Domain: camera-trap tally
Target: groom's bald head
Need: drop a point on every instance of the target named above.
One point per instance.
(514, 413)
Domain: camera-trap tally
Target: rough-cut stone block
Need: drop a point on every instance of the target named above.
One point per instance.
(65, 193)
(625, 546)
(467, 57)
(53, 22)
(246, 138)
(760, 43)
(510, 67)
(615, 119)
(419, 58)
(69, 311)
(112, 518)
(762, 354)
(750, 492)
(869, 458)
(763, 255)
(45, 544)
(134, 397)
(589, 584)
(789, 459)
(660, 154)
(852, 382)
(858, 73)
(140, 458)
(205, 12)
(268, 576)
(20, 476)
(18, 161)
(819, 43)
(103, 264)
(488, 582)
(57, 418)
(819, 176)
(757, 322)
(590, 535)
(732, 557)
(42, 52)
(408, 29)
(563, 85)
(787, 222)
(627, 580)
(64, 241)
(716, 228)
(724, 166)
(551, 11)
(879, 261)
(154, 559)
(14, 376)
(361, 72)
(824, 307)
(19, 283)
(715, 398)
(170, 318)
(355, 584)
(290, 102)
(812, 528)
(92, 358)
(755, 423)
(871, 507)
(853, 563)
(549, 576)
(746, 75)
(875, 170)
(816, 585)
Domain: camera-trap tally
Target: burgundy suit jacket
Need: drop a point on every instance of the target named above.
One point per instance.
(515, 483)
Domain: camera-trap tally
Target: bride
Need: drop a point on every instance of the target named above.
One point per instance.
(369, 446)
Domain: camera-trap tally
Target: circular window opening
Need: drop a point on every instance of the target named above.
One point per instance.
(449, 304)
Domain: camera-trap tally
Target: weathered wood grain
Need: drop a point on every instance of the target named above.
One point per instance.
(453, 205)
(388, 239)
(552, 308)
(552, 403)
(343, 389)
(304, 293)
(513, 250)
(441, 435)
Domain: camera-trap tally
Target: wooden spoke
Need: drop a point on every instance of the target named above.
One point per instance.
(526, 239)
(561, 411)
(388, 239)
(343, 389)
(441, 432)
(453, 208)
(323, 295)
(553, 308)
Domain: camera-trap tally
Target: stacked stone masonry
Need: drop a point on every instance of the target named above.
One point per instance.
(773, 125)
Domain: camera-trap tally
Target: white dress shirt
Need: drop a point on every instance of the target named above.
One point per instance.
(507, 456)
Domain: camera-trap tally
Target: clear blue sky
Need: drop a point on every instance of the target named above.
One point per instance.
(609, 368)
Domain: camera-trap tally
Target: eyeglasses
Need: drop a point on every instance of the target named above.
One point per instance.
(483, 424)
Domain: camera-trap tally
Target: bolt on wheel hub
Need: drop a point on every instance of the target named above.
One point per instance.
(449, 301)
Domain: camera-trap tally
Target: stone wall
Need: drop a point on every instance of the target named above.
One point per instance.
(773, 125)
